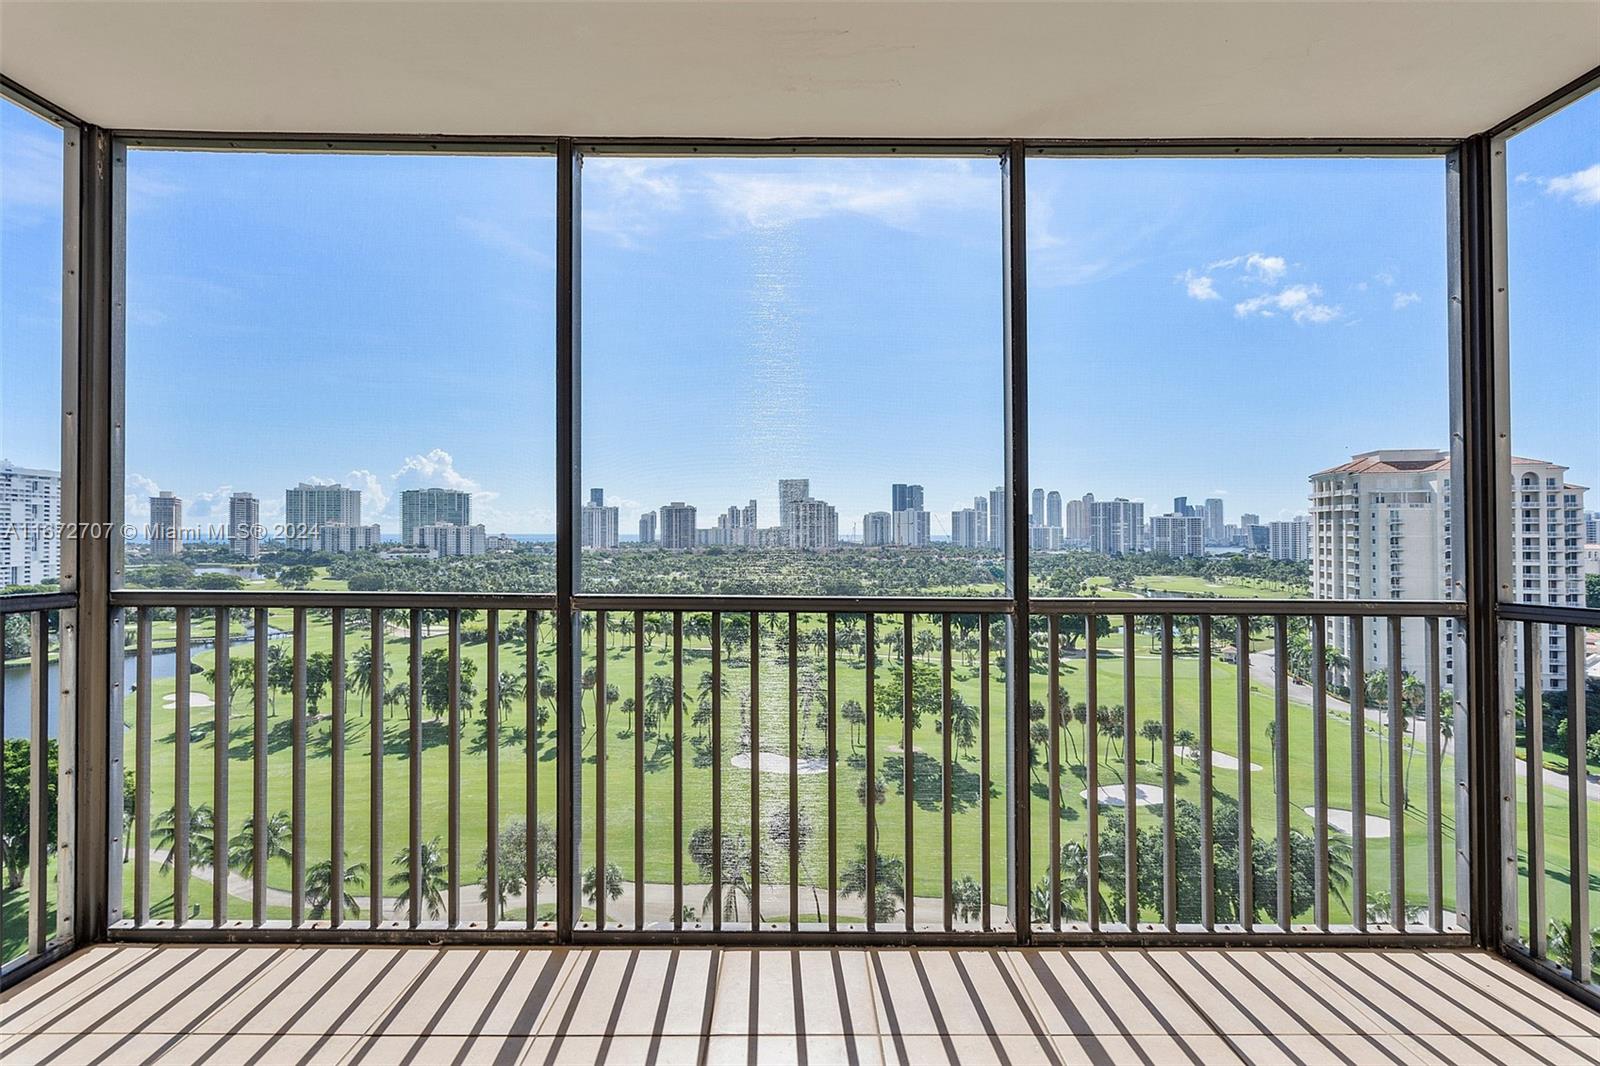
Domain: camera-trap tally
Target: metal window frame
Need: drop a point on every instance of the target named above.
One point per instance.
(1479, 391)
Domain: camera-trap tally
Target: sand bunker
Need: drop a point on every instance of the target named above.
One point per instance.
(1344, 821)
(773, 763)
(1113, 796)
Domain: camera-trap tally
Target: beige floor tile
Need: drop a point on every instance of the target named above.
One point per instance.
(1520, 991)
(1103, 992)
(1229, 1003)
(1497, 1050)
(1501, 1009)
(74, 978)
(71, 1049)
(969, 1049)
(315, 990)
(164, 978)
(1303, 993)
(1341, 1049)
(259, 1049)
(490, 990)
(1159, 1049)
(586, 1050)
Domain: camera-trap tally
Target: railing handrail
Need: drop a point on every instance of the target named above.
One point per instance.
(1093, 605)
(27, 602)
(313, 599)
(1550, 614)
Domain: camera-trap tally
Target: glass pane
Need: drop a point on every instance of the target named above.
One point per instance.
(31, 190)
(340, 370)
(1553, 253)
(792, 375)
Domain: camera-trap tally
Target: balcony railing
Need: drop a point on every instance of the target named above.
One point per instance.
(762, 769)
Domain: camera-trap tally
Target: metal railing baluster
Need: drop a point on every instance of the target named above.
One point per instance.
(1435, 790)
(869, 795)
(1053, 767)
(221, 738)
(794, 772)
(491, 725)
(297, 812)
(336, 852)
(1319, 768)
(375, 690)
(1130, 779)
(1280, 764)
(1533, 783)
(1578, 805)
(946, 766)
(755, 771)
(600, 731)
(260, 751)
(1208, 834)
(985, 854)
(716, 771)
(530, 695)
(453, 753)
(638, 769)
(1358, 772)
(677, 770)
(833, 775)
(141, 795)
(1169, 832)
(181, 815)
(1091, 741)
(39, 932)
(908, 787)
(414, 753)
(1397, 809)
(1247, 879)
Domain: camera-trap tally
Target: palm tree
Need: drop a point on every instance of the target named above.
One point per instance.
(201, 835)
(1186, 740)
(1151, 730)
(613, 883)
(319, 887)
(434, 876)
(279, 838)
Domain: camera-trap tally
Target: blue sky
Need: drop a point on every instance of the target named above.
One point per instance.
(1197, 327)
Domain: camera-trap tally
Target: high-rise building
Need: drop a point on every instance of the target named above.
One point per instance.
(1180, 506)
(1076, 521)
(905, 497)
(336, 538)
(426, 507)
(166, 525)
(1052, 509)
(790, 492)
(737, 527)
(1036, 513)
(1180, 536)
(967, 529)
(1289, 541)
(244, 525)
(1248, 519)
(448, 539)
(1215, 522)
(647, 528)
(1382, 528)
(306, 507)
(1591, 527)
(678, 526)
(980, 504)
(877, 529)
(598, 525)
(997, 517)
(1116, 527)
(912, 528)
(816, 525)
(30, 511)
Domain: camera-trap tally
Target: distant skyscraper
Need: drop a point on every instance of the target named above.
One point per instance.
(1591, 527)
(1180, 505)
(1214, 521)
(647, 528)
(980, 504)
(599, 523)
(905, 497)
(1180, 536)
(335, 538)
(306, 507)
(1290, 541)
(1076, 521)
(244, 525)
(967, 529)
(30, 508)
(877, 529)
(448, 539)
(1248, 519)
(912, 528)
(678, 526)
(426, 507)
(1036, 515)
(1052, 509)
(790, 492)
(997, 517)
(816, 525)
(166, 525)
(1116, 527)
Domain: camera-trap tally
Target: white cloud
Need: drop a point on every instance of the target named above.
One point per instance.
(1199, 286)
(436, 467)
(767, 200)
(1581, 186)
(1254, 266)
(374, 496)
(1402, 300)
(503, 238)
(1299, 302)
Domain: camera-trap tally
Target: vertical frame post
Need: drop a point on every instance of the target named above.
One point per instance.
(1015, 251)
(569, 473)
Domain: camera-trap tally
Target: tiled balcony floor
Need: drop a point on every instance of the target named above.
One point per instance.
(231, 1005)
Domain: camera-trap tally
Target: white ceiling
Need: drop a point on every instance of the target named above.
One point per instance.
(1397, 68)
